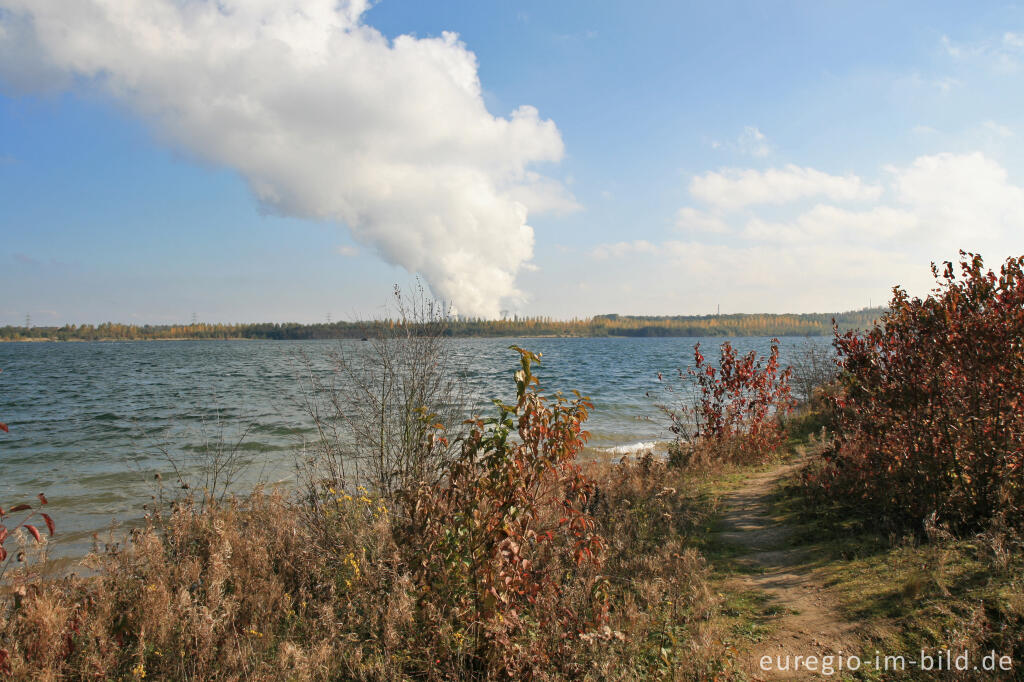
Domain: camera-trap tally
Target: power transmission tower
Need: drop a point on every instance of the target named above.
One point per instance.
(328, 318)
(193, 319)
(28, 321)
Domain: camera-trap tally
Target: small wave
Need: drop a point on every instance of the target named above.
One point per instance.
(275, 430)
(630, 449)
(229, 447)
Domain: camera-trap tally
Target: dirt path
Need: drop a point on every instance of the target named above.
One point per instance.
(807, 622)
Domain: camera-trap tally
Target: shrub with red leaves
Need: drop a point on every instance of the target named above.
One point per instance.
(930, 418)
(734, 409)
(506, 544)
(5, 532)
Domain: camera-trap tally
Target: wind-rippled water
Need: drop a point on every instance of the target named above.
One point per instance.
(91, 423)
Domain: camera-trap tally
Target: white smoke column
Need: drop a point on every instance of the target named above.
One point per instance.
(324, 117)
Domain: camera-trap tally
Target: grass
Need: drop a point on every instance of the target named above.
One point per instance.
(250, 589)
(750, 615)
(911, 593)
(904, 594)
(247, 589)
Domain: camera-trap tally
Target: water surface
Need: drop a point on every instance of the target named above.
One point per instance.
(92, 423)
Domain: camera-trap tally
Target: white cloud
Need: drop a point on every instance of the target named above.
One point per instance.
(952, 49)
(1013, 40)
(753, 142)
(825, 223)
(997, 129)
(691, 220)
(347, 251)
(782, 271)
(1001, 53)
(544, 195)
(916, 84)
(828, 256)
(324, 117)
(963, 201)
(737, 188)
(940, 203)
(945, 85)
(621, 249)
(750, 142)
(694, 275)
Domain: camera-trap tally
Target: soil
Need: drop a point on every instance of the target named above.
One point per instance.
(808, 622)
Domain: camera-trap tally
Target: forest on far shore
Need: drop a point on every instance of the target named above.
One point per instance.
(740, 324)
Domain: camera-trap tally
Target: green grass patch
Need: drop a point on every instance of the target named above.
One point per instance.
(749, 616)
(910, 593)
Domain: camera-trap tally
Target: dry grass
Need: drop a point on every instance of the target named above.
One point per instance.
(652, 516)
(247, 589)
(232, 591)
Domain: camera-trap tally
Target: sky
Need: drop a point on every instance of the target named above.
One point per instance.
(292, 160)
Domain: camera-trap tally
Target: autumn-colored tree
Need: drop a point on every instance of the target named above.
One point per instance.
(930, 418)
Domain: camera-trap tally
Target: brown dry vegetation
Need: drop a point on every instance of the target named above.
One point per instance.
(517, 562)
(248, 590)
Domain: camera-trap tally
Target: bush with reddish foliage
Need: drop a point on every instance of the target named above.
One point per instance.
(930, 418)
(5, 532)
(507, 546)
(6, 557)
(734, 409)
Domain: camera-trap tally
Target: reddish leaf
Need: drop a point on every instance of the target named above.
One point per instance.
(3, 554)
(3, 533)
(49, 524)
(3, 427)
(42, 499)
(20, 507)
(35, 532)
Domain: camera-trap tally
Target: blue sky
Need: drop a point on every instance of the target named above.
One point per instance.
(758, 156)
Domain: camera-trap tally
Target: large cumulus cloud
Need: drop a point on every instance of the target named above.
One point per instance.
(325, 118)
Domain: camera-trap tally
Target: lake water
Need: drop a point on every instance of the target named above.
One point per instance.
(91, 423)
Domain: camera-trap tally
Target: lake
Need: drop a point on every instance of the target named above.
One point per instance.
(91, 423)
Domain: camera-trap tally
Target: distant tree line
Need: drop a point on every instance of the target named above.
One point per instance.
(760, 324)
